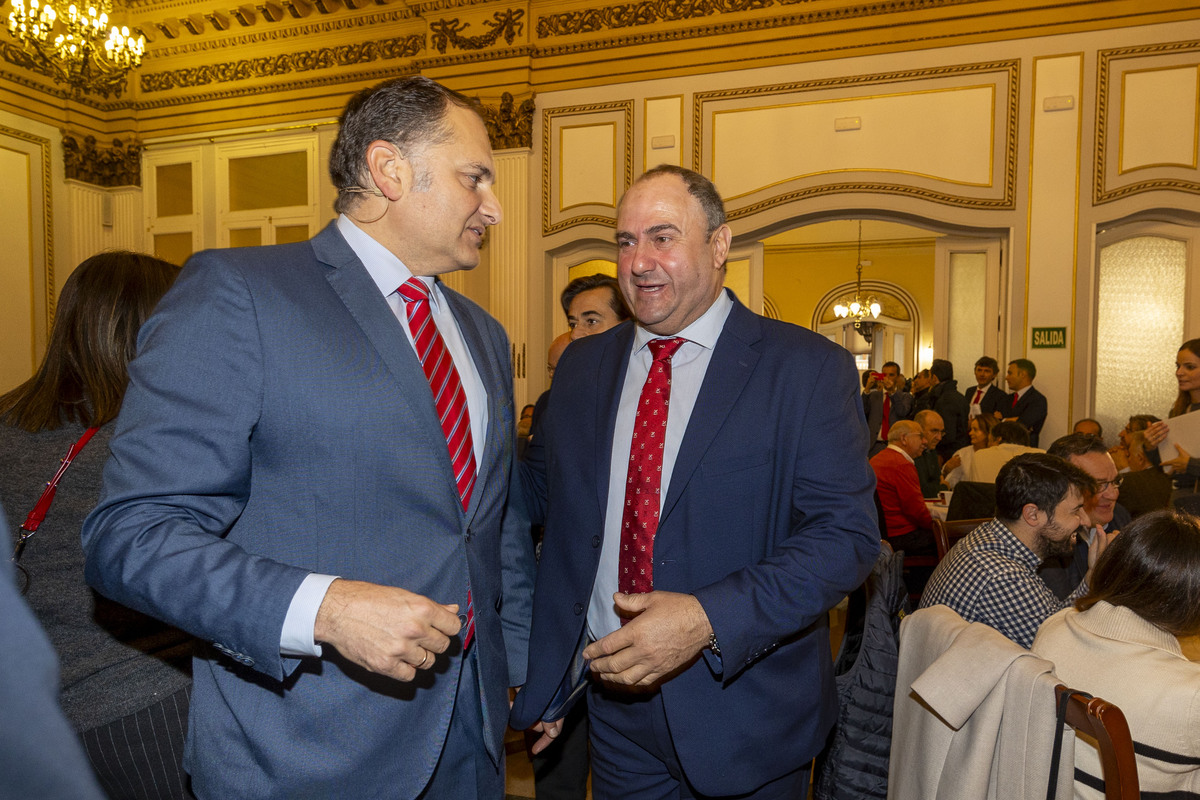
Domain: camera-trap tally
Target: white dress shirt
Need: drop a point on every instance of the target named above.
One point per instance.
(688, 367)
(388, 272)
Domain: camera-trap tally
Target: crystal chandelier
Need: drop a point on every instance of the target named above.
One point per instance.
(859, 309)
(77, 48)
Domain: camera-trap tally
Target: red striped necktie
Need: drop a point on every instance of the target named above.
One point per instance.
(448, 398)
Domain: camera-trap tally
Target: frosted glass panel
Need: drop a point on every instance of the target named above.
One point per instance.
(245, 237)
(287, 234)
(274, 181)
(173, 189)
(173, 247)
(1139, 327)
(968, 291)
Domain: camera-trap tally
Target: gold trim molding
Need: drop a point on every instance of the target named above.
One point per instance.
(625, 107)
(1008, 180)
(47, 213)
(275, 66)
(1104, 95)
(652, 12)
(506, 23)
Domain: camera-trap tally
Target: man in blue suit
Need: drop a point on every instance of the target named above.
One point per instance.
(707, 638)
(285, 485)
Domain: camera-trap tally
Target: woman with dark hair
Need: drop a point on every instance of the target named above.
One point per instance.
(959, 466)
(125, 677)
(1121, 642)
(1183, 467)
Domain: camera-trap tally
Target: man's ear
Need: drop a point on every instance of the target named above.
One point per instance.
(1031, 515)
(391, 172)
(720, 245)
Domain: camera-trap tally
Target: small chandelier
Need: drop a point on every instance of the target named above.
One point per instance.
(77, 48)
(859, 309)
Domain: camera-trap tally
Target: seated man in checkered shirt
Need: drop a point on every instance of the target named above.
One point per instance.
(991, 575)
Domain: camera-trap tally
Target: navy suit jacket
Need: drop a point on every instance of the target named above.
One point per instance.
(278, 423)
(900, 407)
(994, 399)
(1030, 411)
(768, 520)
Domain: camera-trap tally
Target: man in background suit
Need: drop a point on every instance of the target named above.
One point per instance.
(724, 563)
(1026, 404)
(284, 484)
(985, 397)
(891, 395)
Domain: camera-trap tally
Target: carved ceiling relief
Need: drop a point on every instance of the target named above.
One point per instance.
(509, 125)
(118, 165)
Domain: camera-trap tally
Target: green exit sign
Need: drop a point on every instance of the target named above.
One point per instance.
(1050, 337)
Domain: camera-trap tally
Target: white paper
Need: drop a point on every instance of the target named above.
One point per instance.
(1183, 430)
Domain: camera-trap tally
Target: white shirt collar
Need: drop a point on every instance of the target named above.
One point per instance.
(386, 270)
(901, 451)
(704, 331)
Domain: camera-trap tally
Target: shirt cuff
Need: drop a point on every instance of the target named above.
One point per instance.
(297, 636)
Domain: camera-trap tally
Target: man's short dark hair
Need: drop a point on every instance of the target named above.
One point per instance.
(942, 369)
(698, 187)
(1076, 444)
(887, 364)
(1037, 478)
(409, 112)
(589, 282)
(1010, 432)
(1026, 366)
(988, 363)
(1139, 422)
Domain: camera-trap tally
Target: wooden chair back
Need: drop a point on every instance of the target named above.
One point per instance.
(947, 534)
(1105, 723)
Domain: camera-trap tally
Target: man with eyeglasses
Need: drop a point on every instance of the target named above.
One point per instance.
(1088, 453)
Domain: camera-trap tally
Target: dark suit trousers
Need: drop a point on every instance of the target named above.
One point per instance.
(560, 772)
(463, 755)
(140, 756)
(633, 757)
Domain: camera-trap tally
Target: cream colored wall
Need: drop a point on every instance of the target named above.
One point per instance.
(797, 278)
(995, 140)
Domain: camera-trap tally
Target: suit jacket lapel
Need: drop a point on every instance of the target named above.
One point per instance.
(350, 279)
(733, 362)
(614, 362)
(493, 384)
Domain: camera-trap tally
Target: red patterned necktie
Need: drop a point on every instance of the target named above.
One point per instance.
(1016, 397)
(978, 396)
(643, 483)
(887, 416)
(449, 400)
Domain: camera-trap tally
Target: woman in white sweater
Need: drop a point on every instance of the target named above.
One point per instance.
(1121, 642)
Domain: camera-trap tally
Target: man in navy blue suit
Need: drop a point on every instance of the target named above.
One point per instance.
(689, 563)
(284, 482)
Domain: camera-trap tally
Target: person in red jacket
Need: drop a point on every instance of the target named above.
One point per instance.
(909, 525)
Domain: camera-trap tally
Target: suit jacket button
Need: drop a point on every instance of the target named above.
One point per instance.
(578, 609)
(468, 536)
(595, 541)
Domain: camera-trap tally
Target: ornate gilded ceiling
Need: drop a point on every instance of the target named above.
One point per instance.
(213, 65)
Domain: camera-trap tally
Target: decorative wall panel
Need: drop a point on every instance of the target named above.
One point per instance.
(1147, 120)
(587, 163)
(865, 133)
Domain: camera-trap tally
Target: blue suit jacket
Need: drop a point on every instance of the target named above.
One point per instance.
(278, 423)
(768, 521)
